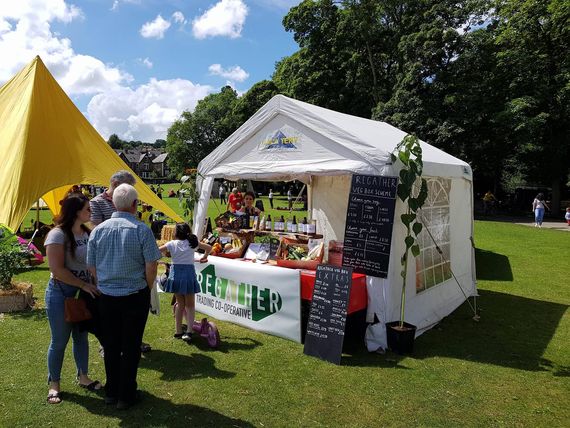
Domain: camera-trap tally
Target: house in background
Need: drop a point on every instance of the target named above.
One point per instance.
(160, 167)
(148, 164)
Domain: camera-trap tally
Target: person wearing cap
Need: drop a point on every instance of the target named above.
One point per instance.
(102, 205)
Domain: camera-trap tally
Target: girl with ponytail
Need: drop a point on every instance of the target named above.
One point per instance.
(182, 279)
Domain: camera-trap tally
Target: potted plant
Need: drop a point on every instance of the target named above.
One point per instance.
(13, 296)
(412, 191)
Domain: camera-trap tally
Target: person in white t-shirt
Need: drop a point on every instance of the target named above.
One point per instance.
(182, 279)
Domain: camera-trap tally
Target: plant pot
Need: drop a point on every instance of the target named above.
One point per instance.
(17, 298)
(400, 341)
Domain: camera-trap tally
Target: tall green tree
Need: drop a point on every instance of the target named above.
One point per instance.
(115, 142)
(253, 100)
(196, 134)
(533, 37)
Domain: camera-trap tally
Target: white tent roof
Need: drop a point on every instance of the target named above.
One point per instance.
(324, 142)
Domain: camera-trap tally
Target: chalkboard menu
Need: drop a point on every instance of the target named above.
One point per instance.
(327, 318)
(369, 221)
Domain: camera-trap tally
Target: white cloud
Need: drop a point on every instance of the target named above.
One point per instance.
(116, 3)
(225, 18)
(146, 62)
(25, 32)
(178, 17)
(235, 73)
(155, 29)
(144, 113)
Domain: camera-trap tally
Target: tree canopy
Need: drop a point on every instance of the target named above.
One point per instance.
(485, 80)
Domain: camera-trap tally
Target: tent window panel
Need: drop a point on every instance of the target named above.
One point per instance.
(433, 268)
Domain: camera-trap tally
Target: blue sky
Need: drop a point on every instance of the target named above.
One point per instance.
(132, 66)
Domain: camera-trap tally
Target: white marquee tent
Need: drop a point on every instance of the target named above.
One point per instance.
(288, 139)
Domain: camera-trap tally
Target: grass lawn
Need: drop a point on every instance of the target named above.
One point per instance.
(510, 369)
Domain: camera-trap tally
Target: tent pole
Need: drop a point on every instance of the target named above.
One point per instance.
(37, 214)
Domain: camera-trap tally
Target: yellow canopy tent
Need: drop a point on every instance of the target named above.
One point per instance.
(47, 145)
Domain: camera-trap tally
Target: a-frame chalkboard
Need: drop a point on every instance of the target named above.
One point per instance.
(327, 318)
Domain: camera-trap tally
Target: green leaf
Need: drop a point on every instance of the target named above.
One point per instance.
(393, 157)
(404, 157)
(414, 167)
(413, 203)
(409, 241)
(417, 150)
(407, 219)
(417, 228)
(415, 250)
(407, 178)
(403, 192)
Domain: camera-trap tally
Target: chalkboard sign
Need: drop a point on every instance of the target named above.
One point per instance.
(369, 222)
(327, 318)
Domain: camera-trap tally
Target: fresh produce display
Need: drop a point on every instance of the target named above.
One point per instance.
(296, 252)
(233, 247)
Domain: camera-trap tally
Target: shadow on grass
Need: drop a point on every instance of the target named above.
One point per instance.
(229, 344)
(175, 366)
(156, 411)
(492, 266)
(513, 332)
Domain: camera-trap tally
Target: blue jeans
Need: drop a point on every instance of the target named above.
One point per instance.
(56, 292)
(539, 215)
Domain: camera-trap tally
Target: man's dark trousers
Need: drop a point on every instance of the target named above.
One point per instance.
(123, 320)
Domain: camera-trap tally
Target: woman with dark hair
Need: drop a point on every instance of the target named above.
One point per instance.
(248, 207)
(538, 206)
(182, 279)
(66, 249)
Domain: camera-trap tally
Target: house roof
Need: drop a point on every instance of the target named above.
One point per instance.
(160, 158)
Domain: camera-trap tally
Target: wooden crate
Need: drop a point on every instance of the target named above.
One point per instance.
(297, 264)
(245, 237)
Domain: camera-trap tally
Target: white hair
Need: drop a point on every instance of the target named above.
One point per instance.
(124, 196)
(121, 177)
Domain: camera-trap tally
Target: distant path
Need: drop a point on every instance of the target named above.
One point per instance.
(527, 221)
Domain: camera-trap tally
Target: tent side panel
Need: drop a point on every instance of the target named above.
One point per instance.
(329, 203)
(426, 308)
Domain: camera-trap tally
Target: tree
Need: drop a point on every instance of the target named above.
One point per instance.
(159, 144)
(196, 134)
(253, 100)
(534, 43)
(115, 142)
(326, 70)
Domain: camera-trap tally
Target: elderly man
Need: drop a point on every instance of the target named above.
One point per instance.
(122, 255)
(102, 205)
(102, 208)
